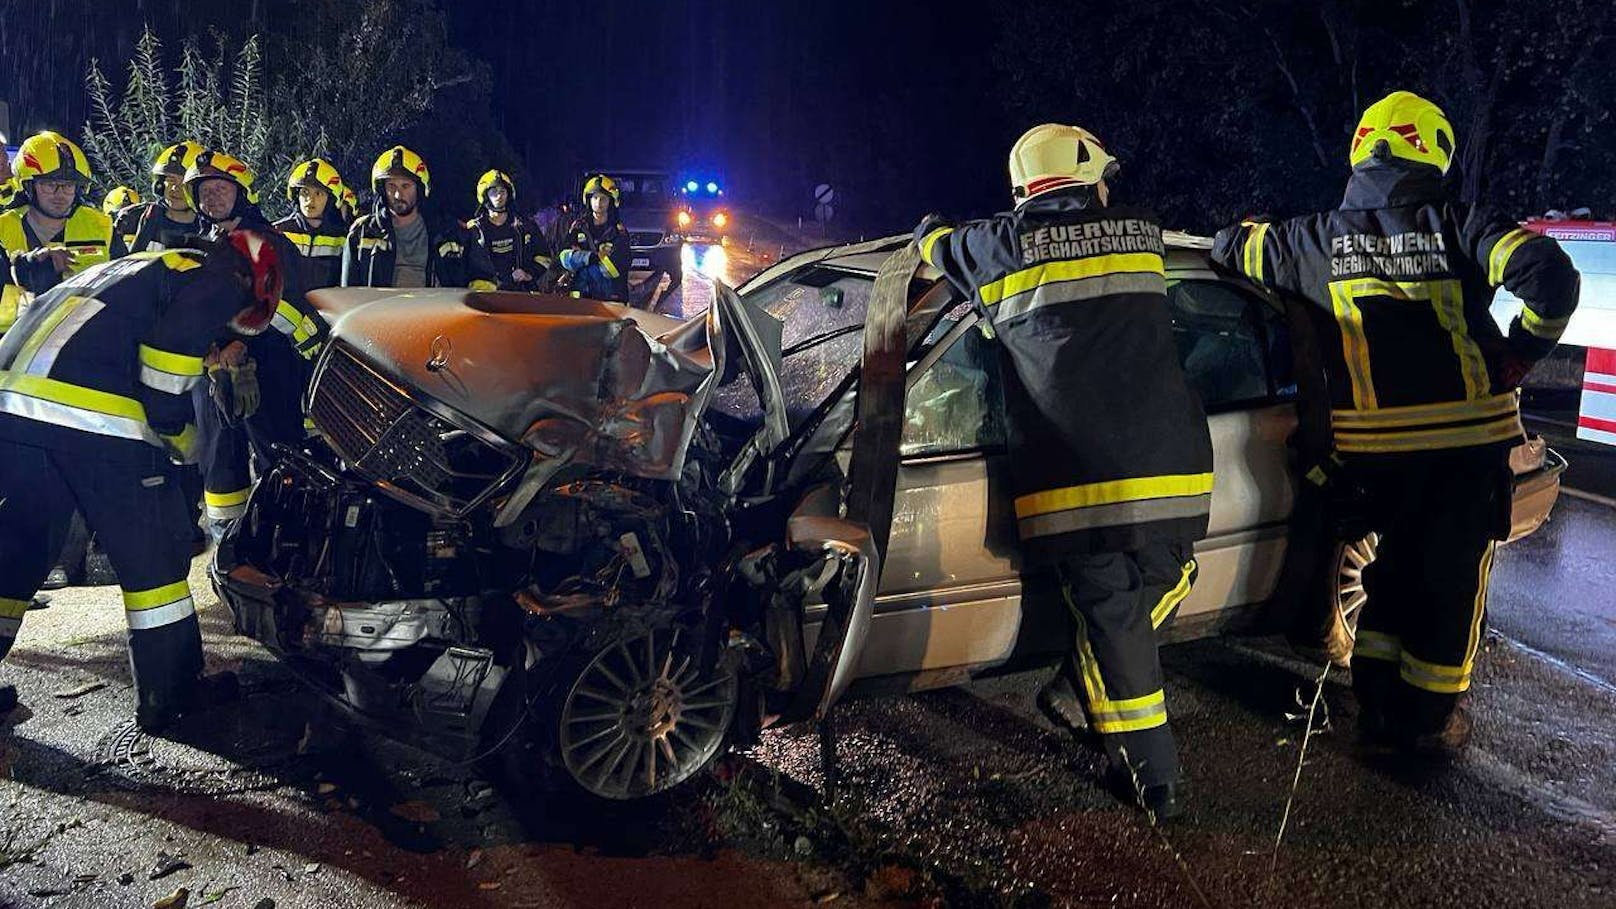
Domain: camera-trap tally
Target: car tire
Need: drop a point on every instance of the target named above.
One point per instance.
(640, 715)
(1347, 594)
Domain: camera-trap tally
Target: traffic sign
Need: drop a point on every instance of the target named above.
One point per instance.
(824, 195)
(823, 213)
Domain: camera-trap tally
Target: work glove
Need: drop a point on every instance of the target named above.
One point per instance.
(244, 387)
(928, 224)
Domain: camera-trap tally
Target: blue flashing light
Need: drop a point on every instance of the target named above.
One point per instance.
(712, 187)
(690, 187)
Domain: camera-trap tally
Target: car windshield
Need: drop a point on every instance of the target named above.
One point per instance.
(645, 191)
(821, 310)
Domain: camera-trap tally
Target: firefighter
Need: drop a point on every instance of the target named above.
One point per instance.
(598, 244)
(396, 246)
(1424, 394)
(55, 235)
(316, 225)
(348, 204)
(253, 400)
(168, 220)
(94, 400)
(515, 249)
(1110, 453)
(10, 194)
(120, 198)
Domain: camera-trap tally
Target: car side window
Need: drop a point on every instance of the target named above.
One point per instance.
(1233, 348)
(957, 405)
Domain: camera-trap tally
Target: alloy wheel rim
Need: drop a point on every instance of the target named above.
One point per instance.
(642, 717)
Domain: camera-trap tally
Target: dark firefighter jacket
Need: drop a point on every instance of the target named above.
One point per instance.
(367, 259)
(147, 228)
(1404, 279)
(515, 244)
(88, 233)
(109, 356)
(598, 257)
(1109, 447)
(320, 248)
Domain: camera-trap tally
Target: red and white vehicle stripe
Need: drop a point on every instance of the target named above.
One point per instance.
(1596, 420)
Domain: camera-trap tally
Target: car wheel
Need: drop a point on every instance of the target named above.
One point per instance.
(643, 716)
(1347, 593)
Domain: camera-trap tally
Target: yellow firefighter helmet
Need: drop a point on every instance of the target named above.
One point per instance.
(1406, 126)
(1053, 156)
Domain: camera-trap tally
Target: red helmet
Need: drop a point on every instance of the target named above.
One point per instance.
(268, 282)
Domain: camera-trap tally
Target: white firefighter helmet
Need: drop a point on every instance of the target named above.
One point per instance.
(1053, 156)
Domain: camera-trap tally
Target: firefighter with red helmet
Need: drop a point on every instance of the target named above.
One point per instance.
(95, 384)
(1110, 452)
(1424, 396)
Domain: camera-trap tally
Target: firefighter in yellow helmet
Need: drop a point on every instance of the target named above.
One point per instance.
(256, 383)
(1110, 453)
(316, 225)
(55, 235)
(514, 246)
(598, 253)
(118, 199)
(168, 220)
(1424, 391)
(397, 245)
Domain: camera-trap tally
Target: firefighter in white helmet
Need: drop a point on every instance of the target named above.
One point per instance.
(1109, 448)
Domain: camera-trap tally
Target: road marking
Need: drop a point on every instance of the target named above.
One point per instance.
(1557, 804)
(1589, 496)
(1560, 664)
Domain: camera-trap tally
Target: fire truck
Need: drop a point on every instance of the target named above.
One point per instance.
(1592, 248)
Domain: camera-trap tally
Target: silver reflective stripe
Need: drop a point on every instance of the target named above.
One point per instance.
(158, 616)
(152, 377)
(9, 627)
(1076, 291)
(18, 404)
(283, 325)
(316, 252)
(1114, 515)
(83, 311)
(1105, 714)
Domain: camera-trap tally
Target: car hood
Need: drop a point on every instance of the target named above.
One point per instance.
(575, 380)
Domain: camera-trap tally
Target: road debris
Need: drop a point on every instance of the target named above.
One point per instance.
(80, 690)
(474, 859)
(216, 895)
(167, 864)
(176, 900)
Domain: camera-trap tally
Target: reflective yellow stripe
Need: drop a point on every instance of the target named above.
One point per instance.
(483, 285)
(10, 298)
(1375, 645)
(13, 609)
(610, 267)
(1478, 609)
(227, 499)
(1112, 491)
(1070, 270)
(1354, 345)
(1253, 259)
(930, 240)
(1172, 598)
(1434, 676)
(1418, 414)
(73, 395)
(1430, 439)
(1539, 327)
(1447, 300)
(1131, 715)
(177, 364)
(136, 600)
(1498, 259)
(185, 443)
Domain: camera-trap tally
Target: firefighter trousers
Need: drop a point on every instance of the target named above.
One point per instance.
(1439, 516)
(131, 501)
(1120, 603)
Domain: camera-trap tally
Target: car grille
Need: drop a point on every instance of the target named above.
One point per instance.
(640, 239)
(414, 454)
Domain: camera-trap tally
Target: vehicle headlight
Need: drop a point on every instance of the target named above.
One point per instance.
(684, 219)
(720, 219)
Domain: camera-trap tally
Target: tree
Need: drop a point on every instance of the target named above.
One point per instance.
(220, 105)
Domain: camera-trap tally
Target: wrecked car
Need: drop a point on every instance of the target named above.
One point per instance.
(624, 542)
